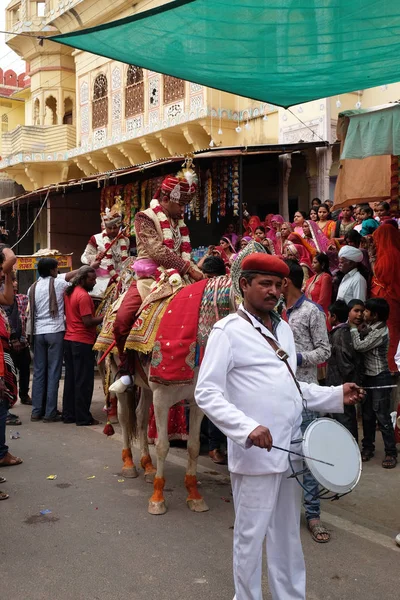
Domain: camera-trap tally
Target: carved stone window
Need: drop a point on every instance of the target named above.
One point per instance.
(4, 123)
(174, 89)
(134, 93)
(100, 102)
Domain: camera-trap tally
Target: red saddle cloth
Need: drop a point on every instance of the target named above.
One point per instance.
(174, 352)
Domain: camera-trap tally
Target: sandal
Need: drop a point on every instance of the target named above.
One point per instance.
(3, 496)
(390, 462)
(317, 530)
(13, 420)
(10, 461)
(366, 455)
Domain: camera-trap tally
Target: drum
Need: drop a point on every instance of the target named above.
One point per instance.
(329, 441)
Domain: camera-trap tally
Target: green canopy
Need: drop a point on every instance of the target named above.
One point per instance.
(280, 51)
(372, 133)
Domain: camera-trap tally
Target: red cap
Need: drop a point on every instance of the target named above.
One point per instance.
(265, 264)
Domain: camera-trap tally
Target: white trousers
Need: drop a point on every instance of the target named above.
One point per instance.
(268, 506)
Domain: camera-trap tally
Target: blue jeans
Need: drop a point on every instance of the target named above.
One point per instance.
(311, 504)
(47, 365)
(3, 415)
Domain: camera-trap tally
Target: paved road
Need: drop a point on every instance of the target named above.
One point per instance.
(99, 542)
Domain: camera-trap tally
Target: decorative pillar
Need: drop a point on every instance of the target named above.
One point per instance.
(324, 163)
(285, 167)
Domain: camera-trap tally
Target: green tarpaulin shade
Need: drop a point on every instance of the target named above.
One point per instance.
(372, 133)
(283, 52)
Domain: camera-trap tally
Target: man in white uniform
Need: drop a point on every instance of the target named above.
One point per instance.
(249, 393)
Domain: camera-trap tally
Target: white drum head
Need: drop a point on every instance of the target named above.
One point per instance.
(330, 441)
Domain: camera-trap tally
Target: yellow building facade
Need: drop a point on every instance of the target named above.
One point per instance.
(85, 114)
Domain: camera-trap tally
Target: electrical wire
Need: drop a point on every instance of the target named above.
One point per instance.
(33, 222)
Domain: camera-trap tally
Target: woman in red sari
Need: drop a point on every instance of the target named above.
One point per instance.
(299, 253)
(386, 281)
(319, 286)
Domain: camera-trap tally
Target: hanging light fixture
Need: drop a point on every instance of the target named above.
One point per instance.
(338, 102)
(238, 128)
(358, 103)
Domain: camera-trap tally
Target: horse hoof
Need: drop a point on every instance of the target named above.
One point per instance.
(129, 472)
(197, 505)
(157, 508)
(149, 477)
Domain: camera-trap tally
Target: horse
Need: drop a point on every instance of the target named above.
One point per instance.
(133, 406)
(133, 410)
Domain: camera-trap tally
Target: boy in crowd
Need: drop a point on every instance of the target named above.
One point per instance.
(373, 343)
(369, 224)
(345, 364)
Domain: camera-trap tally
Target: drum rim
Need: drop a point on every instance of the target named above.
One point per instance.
(313, 466)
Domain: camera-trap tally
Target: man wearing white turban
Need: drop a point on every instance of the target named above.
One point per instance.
(353, 284)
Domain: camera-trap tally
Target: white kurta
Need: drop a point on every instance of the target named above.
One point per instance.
(352, 287)
(243, 384)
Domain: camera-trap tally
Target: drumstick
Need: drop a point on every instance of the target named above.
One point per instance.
(302, 455)
(378, 387)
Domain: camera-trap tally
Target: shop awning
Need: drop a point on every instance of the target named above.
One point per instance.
(223, 152)
(373, 132)
(284, 52)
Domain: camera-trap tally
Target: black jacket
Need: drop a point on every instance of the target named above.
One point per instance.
(345, 365)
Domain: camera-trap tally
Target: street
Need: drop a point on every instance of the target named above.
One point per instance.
(99, 543)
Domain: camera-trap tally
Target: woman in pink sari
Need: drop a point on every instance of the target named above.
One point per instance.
(285, 232)
(298, 220)
(274, 233)
(319, 243)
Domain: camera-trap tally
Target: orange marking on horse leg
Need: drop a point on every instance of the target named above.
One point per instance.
(127, 458)
(147, 464)
(158, 493)
(191, 486)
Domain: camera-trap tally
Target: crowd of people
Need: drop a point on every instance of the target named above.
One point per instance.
(326, 288)
(341, 300)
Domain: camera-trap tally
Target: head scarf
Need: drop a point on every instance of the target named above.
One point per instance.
(301, 254)
(254, 222)
(387, 242)
(351, 253)
(267, 221)
(222, 254)
(228, 241)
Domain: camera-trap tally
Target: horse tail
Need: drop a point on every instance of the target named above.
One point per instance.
(132, 404)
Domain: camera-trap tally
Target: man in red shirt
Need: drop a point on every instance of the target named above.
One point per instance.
(79, 338)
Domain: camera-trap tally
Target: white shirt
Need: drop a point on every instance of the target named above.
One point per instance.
(353, 286)
(243, 384)
(43, 321)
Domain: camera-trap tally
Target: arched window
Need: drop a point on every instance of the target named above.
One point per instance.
(68, 108)
(4, 123)
(36, 112)
(134, 93)
(50, 115)
(174, 89)
(100, 102)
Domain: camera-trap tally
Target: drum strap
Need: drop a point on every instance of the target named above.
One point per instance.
(280, 353)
